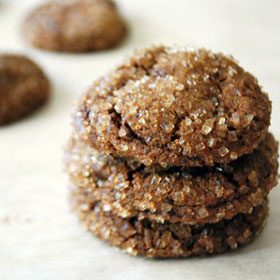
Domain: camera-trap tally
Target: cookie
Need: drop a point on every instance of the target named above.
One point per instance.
(23, 87)
(196, 196)
(175, 107)
(154, 239)
(75, 26)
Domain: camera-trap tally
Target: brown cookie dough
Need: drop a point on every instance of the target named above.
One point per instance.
(175, 107)
(153, 239)
(23, 87)
(75, 26)
(195, 196)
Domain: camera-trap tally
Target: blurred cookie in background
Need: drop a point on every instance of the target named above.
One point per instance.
(75, 26)
(24, 87)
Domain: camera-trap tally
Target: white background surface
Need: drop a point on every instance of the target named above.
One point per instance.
(39, 237)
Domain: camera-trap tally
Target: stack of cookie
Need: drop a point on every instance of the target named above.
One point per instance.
(171, 155)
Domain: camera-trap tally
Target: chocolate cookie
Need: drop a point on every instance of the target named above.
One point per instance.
(196, 196)
(75, 26)
(23, 87)
(175, 107)
(154, 239)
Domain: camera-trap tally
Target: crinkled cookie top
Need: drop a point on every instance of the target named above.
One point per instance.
(175, 107)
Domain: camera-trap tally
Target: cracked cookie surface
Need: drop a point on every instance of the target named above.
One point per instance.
(175, 107)
(194, 196)
(165, 240)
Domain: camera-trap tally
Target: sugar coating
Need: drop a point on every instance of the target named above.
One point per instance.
(195, 196)
(24, 87)
(75, 26)
(137, 236)
(175, 107)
